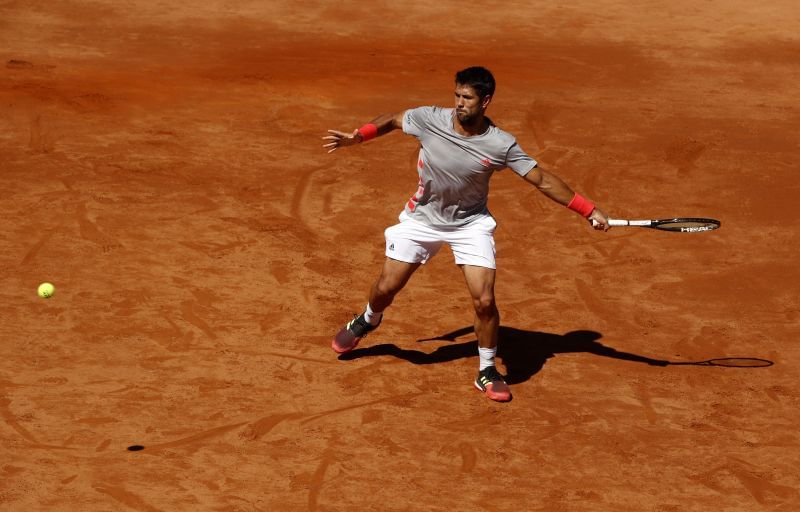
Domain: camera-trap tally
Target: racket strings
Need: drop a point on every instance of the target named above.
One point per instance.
(688, 225)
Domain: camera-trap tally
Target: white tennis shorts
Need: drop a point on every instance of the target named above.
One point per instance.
(414, 242)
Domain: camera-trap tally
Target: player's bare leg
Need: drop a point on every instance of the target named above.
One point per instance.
(394, 276)
(480, 283)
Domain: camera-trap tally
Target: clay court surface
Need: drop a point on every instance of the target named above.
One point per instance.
(162, 166)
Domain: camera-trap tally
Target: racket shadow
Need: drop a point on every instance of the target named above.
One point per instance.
(524, 353)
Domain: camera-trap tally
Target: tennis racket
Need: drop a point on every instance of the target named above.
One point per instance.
(680, 224)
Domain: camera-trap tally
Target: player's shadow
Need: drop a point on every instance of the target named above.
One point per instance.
(522, 352)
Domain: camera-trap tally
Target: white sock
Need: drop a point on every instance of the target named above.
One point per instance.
(487, 357)
(371, 316)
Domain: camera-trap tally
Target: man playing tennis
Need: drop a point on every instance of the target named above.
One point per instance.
(460, 150)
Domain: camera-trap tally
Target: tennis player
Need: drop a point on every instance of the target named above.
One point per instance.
(460, 150)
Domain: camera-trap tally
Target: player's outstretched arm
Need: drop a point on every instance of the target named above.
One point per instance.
(381, 125)
(554, 187)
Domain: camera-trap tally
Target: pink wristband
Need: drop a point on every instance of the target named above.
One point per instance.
(581, 205)
(368, 132)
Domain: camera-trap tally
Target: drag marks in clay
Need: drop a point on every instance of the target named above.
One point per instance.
(125, 497)
(759, 485)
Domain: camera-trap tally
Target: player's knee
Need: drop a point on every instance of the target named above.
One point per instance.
(485, 306)
(387, 286)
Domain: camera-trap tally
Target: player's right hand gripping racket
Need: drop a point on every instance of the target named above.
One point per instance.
(680, 224)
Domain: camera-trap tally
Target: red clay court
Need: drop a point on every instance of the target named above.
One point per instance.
(162, 165)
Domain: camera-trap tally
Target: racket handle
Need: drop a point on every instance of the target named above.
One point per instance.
(613, 222)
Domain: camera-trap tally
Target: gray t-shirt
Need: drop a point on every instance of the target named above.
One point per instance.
(454, 170)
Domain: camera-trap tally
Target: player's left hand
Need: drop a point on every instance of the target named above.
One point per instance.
(599, 220)
(341, 139)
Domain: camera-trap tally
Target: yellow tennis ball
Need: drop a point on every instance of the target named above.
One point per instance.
(46, 290)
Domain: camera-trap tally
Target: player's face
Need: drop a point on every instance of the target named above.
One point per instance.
(469, 106)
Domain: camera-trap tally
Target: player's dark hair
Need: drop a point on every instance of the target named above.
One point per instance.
(477, 77)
